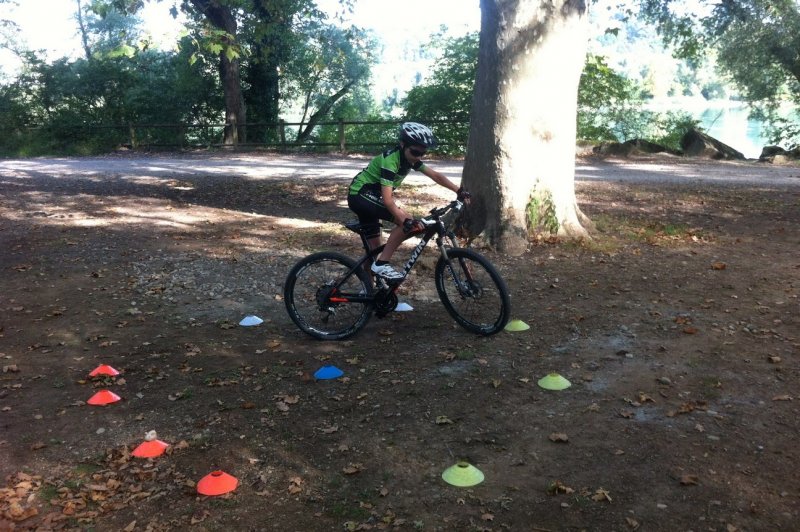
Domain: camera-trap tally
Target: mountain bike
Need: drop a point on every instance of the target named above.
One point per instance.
(331, 296)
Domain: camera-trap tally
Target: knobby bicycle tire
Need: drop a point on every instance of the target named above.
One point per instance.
(304, 294)
(473, 293)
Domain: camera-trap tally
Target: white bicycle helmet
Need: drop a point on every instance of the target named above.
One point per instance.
(417, 134)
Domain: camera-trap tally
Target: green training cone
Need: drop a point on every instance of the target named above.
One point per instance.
(462, 475)
(517, 325)
(554, 381)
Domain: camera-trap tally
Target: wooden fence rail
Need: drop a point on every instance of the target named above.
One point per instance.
(340, 135)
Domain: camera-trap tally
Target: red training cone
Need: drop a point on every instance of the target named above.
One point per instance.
(103, 397)
(104, 369)
(217, 483)
(150, 449)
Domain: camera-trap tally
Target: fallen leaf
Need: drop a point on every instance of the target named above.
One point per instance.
(784, 397)
(352, 469)
(329, 430)
(487, 517)
(443, 420)
(632, 523)
(690, 330)
(718, 265)
(644, 398)
(556, 487)
(601, 495)
(496, 383)
(689, 480)
(199, 516)
(559, 437)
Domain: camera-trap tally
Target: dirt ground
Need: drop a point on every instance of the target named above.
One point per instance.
(677, 326)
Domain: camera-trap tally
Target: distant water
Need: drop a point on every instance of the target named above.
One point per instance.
(725, 120)
(732, 126)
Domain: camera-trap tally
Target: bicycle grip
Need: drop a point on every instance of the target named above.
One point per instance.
(412, 226)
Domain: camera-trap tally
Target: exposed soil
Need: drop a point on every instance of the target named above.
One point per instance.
(677, 326)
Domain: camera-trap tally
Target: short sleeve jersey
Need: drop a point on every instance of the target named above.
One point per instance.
(387, 169)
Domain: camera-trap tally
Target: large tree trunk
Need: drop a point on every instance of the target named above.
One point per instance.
(520, 164)
(221, 17)
(268, 55)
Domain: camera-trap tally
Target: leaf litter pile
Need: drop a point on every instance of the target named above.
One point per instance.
(677, 327)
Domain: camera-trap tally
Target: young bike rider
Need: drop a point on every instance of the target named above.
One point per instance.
(371, 193)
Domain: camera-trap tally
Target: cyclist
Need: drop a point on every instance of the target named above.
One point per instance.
(371, 193)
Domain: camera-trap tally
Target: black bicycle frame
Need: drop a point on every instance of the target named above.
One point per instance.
(437, 230)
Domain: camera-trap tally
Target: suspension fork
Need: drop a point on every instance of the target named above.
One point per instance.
(465, 267)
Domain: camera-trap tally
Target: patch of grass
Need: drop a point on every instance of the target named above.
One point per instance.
(85, 470)
(48, 492)
(465, 354)
(642, 230)
(224, 502)
(346, 510)
(711, 387)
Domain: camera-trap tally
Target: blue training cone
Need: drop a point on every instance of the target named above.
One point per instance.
(328, 372)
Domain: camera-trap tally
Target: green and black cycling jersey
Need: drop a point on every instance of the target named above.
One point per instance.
(387, 169)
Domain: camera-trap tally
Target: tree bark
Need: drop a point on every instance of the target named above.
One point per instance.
(520, 164)
(322, 112)
(221, 17)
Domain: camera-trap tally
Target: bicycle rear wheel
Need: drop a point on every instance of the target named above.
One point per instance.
(472, 291)
(307, 294)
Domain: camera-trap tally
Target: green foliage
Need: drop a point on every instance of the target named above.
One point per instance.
(541, 213)
(756, 42)
(447, 95)
(609, 106)
(332, 63)
(668, 129)
(84, 106)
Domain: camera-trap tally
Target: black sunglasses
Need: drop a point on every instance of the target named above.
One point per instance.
(416, 153)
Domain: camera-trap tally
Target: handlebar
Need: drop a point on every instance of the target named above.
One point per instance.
(414, 226)
(455, 205)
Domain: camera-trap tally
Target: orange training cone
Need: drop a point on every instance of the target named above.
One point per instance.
(104, 369)
(151, 447)
(217, 483)
(103, 397)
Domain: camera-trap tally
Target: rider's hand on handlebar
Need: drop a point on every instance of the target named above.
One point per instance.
(463, 195)
(411, 225)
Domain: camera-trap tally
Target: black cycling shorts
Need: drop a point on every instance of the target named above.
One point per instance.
(368, 206)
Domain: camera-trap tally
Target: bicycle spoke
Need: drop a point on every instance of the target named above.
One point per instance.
(316, 292)
(473, 292)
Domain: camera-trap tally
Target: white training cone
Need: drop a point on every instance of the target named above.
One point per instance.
(251, 321)
(403, 307)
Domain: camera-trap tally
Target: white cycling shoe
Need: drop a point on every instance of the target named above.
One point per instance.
(386, 271)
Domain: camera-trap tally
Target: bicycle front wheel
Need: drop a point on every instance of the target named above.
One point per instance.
(472, 291)
(316, 292)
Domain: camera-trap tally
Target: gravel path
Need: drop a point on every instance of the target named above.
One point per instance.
(662, 169)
